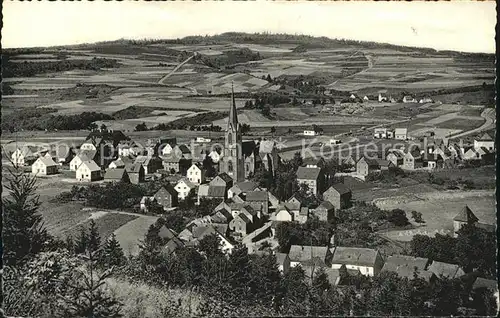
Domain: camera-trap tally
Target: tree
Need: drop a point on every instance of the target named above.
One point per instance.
(104, 127)
(210, 246)
(268, 78)
(93, 237)
(397, 217)
(417, 216)
(141, 127)
(439, 248)
(92, 126)
(475, 250)
(245, 128)
(273, 130)
(112, 253)
(24, 233)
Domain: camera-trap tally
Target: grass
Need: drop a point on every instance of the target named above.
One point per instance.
(130, 234)
(463, 124)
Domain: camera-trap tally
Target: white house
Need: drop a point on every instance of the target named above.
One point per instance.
(23, 156)
(425, 100)
(196, 173)
(183, 187)
(215, 156)
(409, 99)
(283, 214)
(88, 145)
(366, 98)
(382, 98)
(310, 133)
(335, 141)
(485, 141)
(401, 133)
(166, 149)
(118, 163)
(88, 171)
(202, 139)
(366, 260)
(44, 166)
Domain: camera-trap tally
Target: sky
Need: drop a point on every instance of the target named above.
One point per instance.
(459, 25)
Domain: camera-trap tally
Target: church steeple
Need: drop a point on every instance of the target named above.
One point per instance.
(232, 122)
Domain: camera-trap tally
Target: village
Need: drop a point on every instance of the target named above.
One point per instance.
(245, 211)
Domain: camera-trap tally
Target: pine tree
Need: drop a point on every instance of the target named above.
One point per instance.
(24, 233)
(94, 238)
(112, 253)
(81, 242)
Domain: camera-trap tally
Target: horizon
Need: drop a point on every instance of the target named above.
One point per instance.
(389, 23)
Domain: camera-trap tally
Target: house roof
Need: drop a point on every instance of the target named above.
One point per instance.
(354, 256)
(166, 233)
(249, 210)
(144, 160)
(340, 188)
(266, 146)
(446, 269)
(166, 189)
(203, 190)
(280, 258)
(466, 215)
(47, 161)
(245, 186)
(134, 168)
(91, 165)
(172, 158)
(300, 253)
(119, 162)
(87, 154)
(225, 177)
(304, 211)
(188, 183)
(183, 149)
(172, 245)
(216, 191)
(312, 161)
(257, 196)
(383, 163)
(401, 131)
(326, 205)
(485, 283)
(485, 137)
(370, 162)
(114, 174)
(244, 217)
(405, 266)
(308, 173)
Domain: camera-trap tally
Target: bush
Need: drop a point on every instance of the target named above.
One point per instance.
(397, 217)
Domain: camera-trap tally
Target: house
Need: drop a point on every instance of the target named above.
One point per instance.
(150, 164)
(215, 155)
(339, 195)
(310, 133)
(128, 148)
(309, 255)
(382, 98)
(88, 171)
(484, 141)
(425, 100)
(349, 161)
(324, 211)
(24, 156)
(365, 166)
(176, 164)
(183, 187)
(490, 284)
(314, 163)
(447, 270)
(44, 166)
(172, 245)
(223, 180)
(196, 173)
(65, 153)
(166, 196)
(409, 99)
(471, 154)
(182, 151)
(118, 163)
(146, 202)
(433, 161)
(412, 160)
(83, 155)
(368, 261)
(241, 224)
(311, 177)
(408, 266)
(116, 175)
(199, 232)
(380, 133)
(366, 98)
(283, 214)
(242, 188)
(384, 164)
(466, 216)
(268, 154)
(401, 133)
(283, 262)
(135, 173)
(259, 200)
(396, 156)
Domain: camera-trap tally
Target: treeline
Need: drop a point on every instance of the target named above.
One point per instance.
(187, 122)
(28, 69)
(40, 119)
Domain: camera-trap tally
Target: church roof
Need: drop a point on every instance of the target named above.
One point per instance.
(233, 117)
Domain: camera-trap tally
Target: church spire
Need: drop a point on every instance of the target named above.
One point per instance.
(233, 117)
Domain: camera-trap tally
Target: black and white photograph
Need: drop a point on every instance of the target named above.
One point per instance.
(248, 159)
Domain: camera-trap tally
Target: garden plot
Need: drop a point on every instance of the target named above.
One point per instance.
(438, 210)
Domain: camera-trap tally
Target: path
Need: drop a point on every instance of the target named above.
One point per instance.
(489, 115)
(175, 70)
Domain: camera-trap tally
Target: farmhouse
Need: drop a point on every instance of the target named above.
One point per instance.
(311, 177)
(135, 173)
(484, 141)
(222, 180)
(196, 173)
(447, 270)
(338, 195)
(24, 156)
(365, 166)
(309, 255)
(183, 187)
(401, 133)
(368, 261)
(408, 266)
(44, 166)
(116, 175)
(166, 196)
(88, 171)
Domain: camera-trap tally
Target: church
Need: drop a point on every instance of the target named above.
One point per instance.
(242, 158)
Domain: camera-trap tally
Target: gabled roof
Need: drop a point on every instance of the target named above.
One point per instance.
(245, 186)
(383, 163)
(119, 162)
(47, 161)
(172, 158)
(216, 191)
(308, 173)
(466, 215)
(225, 177)
(370, 162)
(485, 137)
(326, 205)
(485, 283)
(446, 270)
(188, 183)
(166, 189)
(91, 165)
(114, 174)
(183, 149)
(257, 196)
(340, 188)
(405, 266)
(401, 131)
(244, 217)
(354, 256)
(203, 190)
(300, 253)
(266, 146)
(144, 160)
(134, 168)
(166, 233)
(172, 245)
(87, 154)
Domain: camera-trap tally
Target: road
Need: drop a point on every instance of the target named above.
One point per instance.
(489, 115)
(174, 70)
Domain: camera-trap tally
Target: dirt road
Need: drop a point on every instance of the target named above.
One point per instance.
(489, 115)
